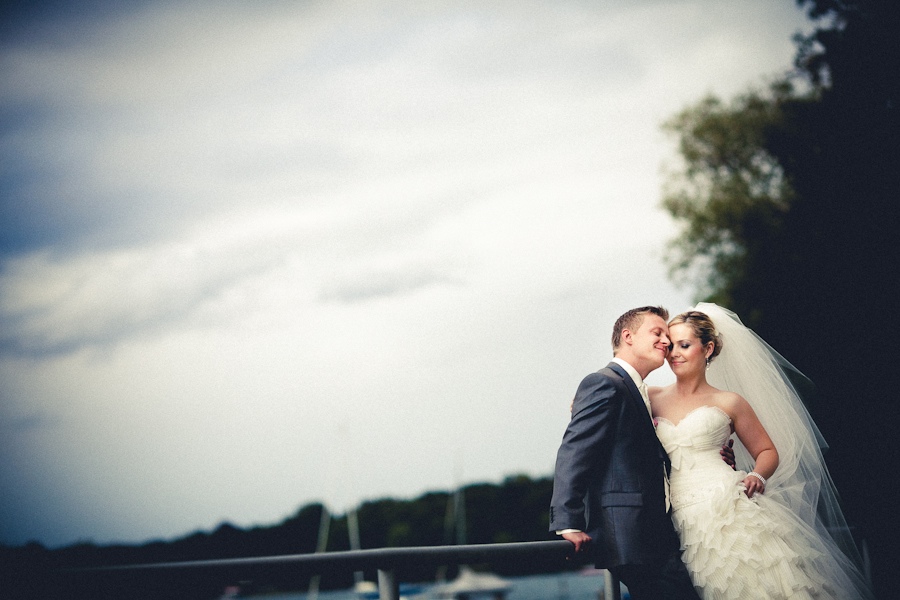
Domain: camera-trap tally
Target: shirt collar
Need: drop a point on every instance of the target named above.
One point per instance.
(632, 372)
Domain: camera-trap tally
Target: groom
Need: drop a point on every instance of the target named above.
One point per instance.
(609, 489)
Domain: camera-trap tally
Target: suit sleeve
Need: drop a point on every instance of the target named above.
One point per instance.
(584, 452)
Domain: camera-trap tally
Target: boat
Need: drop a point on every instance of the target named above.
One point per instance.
(368, 590)
(472, 584)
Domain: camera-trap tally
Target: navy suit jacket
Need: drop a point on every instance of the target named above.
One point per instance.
(609, 478)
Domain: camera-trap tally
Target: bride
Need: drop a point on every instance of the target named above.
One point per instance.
(772, 528)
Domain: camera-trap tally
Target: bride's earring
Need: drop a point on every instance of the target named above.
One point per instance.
(707, 363)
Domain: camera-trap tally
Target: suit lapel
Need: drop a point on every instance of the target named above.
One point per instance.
(629, 384)
(639, 401)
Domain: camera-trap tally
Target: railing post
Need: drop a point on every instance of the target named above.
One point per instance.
(388, 586)
(611, 588)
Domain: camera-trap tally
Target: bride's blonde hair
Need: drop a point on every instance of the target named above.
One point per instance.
(703, 328)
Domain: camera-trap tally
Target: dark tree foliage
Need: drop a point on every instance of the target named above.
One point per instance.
(815, 276)
(514, 511)
(732, 196)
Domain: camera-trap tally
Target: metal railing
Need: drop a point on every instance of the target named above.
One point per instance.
(387, 562)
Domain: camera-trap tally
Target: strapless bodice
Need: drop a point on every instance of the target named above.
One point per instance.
(693, 446)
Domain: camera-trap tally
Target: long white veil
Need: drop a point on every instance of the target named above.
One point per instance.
(750, 367)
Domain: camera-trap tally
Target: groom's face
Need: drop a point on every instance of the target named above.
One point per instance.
(650, 343)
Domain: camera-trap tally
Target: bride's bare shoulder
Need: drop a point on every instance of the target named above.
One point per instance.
(660, 392)
(729, 401)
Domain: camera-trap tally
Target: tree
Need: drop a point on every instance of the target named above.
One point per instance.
(731, 194)
(804, 248)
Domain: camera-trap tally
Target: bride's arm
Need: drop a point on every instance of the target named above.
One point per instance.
(754, 437)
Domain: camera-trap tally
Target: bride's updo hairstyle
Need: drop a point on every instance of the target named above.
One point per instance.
(703, 328)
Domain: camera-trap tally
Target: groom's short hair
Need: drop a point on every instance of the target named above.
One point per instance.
(632, 321)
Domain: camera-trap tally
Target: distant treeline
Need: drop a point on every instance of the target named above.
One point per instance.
(514, 511)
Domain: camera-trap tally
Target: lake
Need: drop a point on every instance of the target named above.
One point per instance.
(559, 586)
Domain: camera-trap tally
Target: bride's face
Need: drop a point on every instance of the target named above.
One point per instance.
(688, 354)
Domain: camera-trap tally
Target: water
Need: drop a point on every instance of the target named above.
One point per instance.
(559, 586)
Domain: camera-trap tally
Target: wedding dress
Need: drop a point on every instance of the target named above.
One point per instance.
(791, 541)
(735, 546)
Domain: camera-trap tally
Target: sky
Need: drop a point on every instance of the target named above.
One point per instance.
(255, 255)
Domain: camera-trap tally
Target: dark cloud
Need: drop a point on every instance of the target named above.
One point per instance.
(57, 22)
(378, 283)
(11, 425)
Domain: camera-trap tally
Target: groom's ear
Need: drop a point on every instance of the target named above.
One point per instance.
(626, 336)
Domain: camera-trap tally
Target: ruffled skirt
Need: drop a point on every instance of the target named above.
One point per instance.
(743, 548)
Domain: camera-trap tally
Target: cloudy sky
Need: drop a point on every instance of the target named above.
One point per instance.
(260, 254)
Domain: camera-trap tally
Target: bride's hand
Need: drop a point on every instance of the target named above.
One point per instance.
(754, 484)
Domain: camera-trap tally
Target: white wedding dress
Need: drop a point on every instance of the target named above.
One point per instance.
(735, 546)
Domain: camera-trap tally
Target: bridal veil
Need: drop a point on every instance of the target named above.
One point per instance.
(748, 366)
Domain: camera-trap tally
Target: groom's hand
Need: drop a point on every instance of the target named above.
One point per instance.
(727, 453)
(579, 538)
